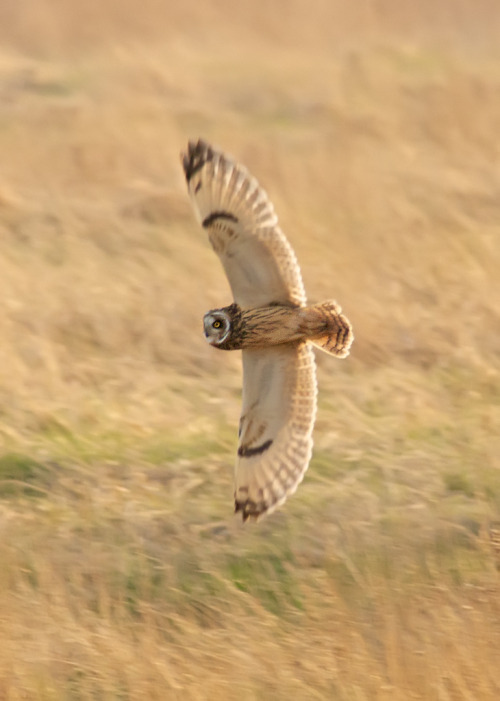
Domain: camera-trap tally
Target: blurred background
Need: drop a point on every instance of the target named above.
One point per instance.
(374, 126)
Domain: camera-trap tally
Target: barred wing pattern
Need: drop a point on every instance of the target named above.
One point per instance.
(278, 414)
(243, 229)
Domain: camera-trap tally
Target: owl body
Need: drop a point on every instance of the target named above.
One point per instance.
(232, 328)
(269, 321)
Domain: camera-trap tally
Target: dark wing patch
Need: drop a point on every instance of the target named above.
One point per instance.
(245, 452)
(214, 216)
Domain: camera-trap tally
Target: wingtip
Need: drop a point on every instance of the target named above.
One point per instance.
(198, 153)
(255, 511)
(249, 509)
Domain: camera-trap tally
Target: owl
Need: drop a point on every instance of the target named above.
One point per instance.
(269, 321)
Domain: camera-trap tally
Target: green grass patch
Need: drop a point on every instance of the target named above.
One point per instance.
(456, 482)
(22, 475)
(269, 577)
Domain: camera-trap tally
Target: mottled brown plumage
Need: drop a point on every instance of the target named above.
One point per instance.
(269, 321)
(322, 324)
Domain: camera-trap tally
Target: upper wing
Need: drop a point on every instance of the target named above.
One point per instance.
(243, 229)
(279, 409)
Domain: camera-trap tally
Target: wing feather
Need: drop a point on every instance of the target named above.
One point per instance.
(258, 260)
(278, 414)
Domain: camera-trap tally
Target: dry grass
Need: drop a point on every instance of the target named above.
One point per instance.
(123, 575)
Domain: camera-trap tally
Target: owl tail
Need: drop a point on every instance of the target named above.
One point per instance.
(330, 329)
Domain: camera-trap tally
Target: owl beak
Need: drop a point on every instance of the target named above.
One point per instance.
(207, 327)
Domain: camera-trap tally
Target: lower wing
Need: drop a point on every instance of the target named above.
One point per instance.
(278, 414)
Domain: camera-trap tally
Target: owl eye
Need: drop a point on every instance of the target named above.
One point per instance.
(217, 324)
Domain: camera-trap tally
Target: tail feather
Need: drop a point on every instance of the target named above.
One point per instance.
(334, 334)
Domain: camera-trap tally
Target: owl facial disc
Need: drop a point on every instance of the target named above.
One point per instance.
(217, 326)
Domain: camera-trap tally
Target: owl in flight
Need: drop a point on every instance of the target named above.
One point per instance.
(269, 321)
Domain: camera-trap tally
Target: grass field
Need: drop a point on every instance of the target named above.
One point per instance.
(374, 126)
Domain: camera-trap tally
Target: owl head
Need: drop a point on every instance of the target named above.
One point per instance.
(222, 327)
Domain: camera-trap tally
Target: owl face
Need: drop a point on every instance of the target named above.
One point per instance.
(223, 327)
(217, 326)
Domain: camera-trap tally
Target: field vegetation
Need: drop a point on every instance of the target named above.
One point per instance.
(374, 126)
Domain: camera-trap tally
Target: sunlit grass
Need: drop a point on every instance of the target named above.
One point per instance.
(123, 572)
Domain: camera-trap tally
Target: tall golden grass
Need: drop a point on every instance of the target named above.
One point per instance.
(374, 128)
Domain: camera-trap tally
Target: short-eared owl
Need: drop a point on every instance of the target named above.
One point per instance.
(269, 321)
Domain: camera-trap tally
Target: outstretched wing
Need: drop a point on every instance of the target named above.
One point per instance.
(279, 409)
(243, 229)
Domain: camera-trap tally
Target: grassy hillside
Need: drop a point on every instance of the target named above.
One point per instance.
(374, 128)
